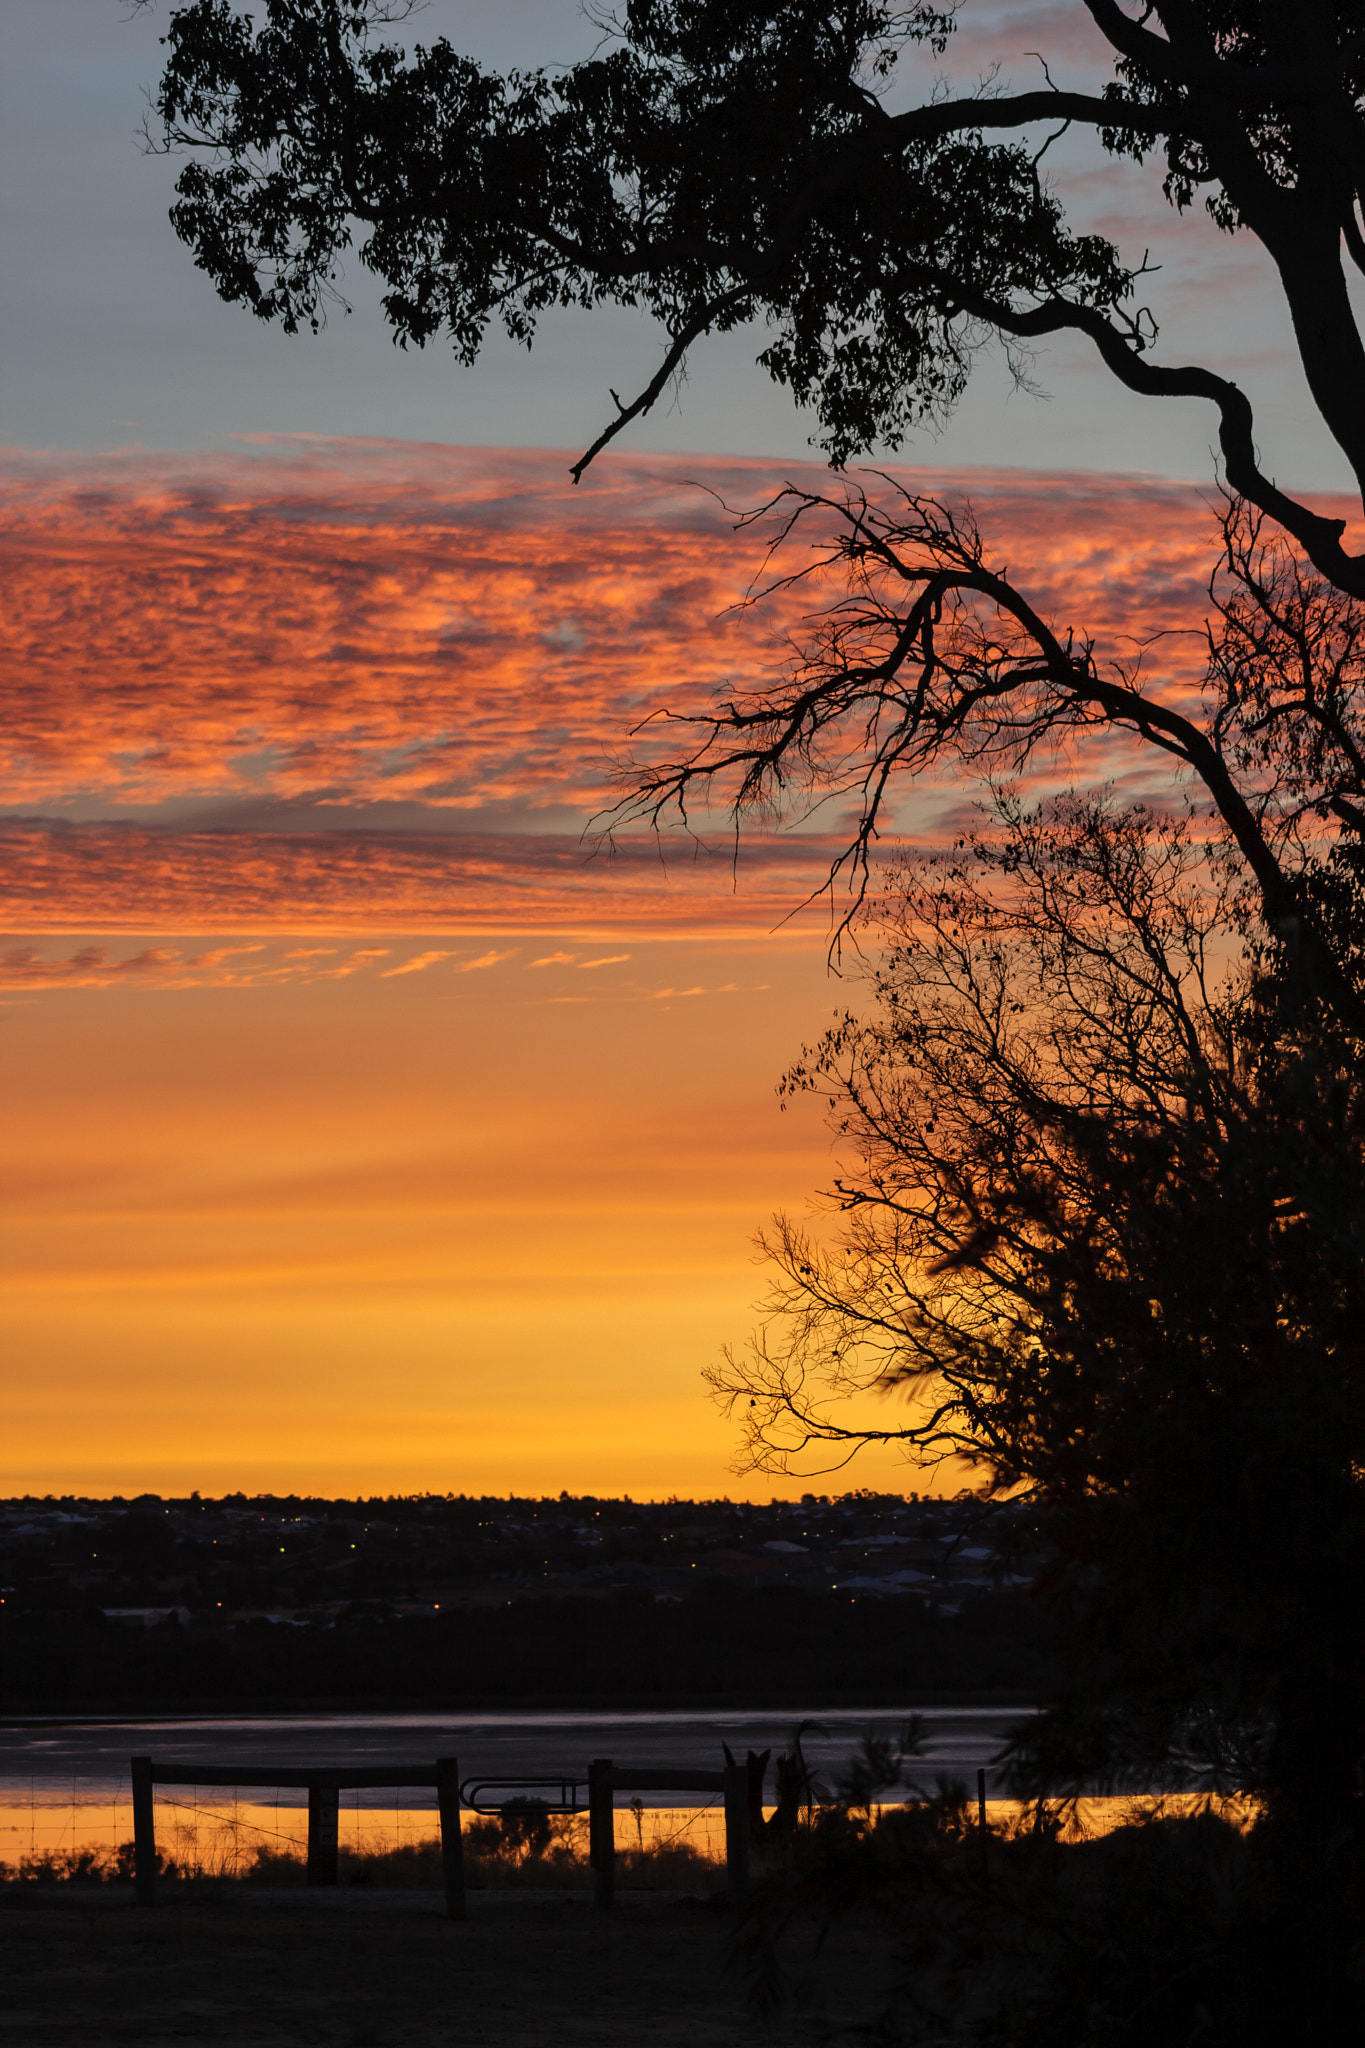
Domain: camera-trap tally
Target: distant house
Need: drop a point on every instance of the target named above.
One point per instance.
(147, 1617)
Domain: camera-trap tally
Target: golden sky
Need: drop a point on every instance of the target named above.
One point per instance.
(361, 1135)
(468, 1225)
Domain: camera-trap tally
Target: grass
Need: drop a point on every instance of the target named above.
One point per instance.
(1178, 1923)
(525, 1852)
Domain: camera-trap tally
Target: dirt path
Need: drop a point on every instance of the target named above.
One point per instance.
(538, 1973)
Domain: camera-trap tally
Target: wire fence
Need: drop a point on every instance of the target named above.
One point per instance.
(219, 1834)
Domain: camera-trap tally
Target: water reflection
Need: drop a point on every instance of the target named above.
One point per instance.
(65, 1783)
(54, 1756)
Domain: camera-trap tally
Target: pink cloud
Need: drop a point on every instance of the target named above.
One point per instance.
(168, 967)
(329, 633)
(136, 879)
(355, 963)
(459, 631)
(417, 965)
(90, 967)
(489, 959)
(1009, 35)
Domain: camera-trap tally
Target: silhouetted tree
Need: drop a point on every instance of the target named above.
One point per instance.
(931, 658)
(1100, 1235)
(718, 161)
(1101, 1229)
(1102, 1221)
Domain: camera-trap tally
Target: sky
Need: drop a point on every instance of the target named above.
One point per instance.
(364, 1131)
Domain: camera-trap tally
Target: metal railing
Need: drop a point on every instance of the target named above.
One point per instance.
(567, 1788)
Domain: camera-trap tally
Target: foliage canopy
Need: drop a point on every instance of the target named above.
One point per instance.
(1099, 1227)
(722, 160)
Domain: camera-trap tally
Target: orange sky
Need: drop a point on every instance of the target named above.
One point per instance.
(440, 1228)
(361, 1135)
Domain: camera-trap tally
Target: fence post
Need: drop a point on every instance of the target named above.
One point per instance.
(981, 1818)
(144, 1832)
(323, 1804)
(452, 1841)
(757, 1768)
(601, 1832)
(737, 1832)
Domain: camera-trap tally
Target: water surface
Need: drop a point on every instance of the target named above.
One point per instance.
(87, 1761)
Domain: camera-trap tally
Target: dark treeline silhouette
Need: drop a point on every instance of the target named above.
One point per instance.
(779, 1646)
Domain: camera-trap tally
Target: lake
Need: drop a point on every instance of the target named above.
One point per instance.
(64, 1782)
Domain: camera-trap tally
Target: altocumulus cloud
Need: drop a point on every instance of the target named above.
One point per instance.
(489, 959)
(111, 878)
(418, 964)
(90, 967)
(168, 967)
(339, 632)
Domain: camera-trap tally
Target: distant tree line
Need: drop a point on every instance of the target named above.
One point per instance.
(779, 1646)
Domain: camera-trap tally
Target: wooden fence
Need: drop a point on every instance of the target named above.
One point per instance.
(604, 1780)
(324, 1785)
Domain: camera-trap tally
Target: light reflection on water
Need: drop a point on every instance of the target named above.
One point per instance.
(64, 1784)
(53, 1757)
(219, 1837)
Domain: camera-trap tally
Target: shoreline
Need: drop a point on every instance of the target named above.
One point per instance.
(870, 1700)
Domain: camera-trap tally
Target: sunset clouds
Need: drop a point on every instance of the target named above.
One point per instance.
(272, 964)
(365, 1128)
(173, 967)
(333, 628)
(98, 877)
(365, 685)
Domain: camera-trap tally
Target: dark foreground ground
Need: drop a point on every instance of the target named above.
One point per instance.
(524, 1972)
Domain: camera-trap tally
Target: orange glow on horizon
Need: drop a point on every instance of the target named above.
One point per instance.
(466, 1232)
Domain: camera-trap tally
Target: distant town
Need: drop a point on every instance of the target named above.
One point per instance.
(222, 1563)
(269, 1604)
